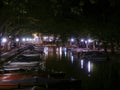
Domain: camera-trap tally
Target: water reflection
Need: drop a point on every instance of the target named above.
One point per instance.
(82, 63)
(72, 58)
(86, 65)
(89, 66)
(92, 72)
(46, 52)
(65, 53)
(61, 53)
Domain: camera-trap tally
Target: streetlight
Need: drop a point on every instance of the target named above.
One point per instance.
(90, 40)
(90, 43)
(82, 40)
(23, 39)
(72, 40)
(4, 40)
(17, 39)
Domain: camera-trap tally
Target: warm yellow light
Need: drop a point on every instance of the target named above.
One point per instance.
(35, 35)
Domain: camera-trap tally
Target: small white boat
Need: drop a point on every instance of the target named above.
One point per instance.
(31, 53)
(24, 61)
(17, 64)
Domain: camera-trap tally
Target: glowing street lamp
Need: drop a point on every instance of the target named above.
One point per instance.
(4, 40)
(35, 35)
(23, 39)
(27, 39)
(90, 40)
(82, 40)
(17, 39)
(72, 40)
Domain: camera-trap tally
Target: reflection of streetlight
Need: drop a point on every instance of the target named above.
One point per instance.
(89, 66)
(82, 63)
(72, 58)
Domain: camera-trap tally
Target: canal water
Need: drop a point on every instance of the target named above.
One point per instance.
(93, 75)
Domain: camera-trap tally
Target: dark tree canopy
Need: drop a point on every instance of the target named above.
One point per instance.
(97, 17)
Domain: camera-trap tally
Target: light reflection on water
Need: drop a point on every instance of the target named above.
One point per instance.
(87, 66)
(82, 63)
(93, 74)
(61, 53)
(72, 58)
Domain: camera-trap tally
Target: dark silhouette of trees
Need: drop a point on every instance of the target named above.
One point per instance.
(100, 18)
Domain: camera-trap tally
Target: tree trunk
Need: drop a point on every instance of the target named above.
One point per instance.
(112, 47)
(118, 44)
(105, 46)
